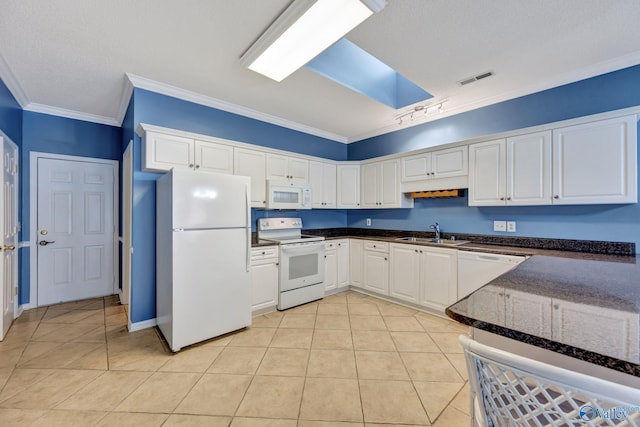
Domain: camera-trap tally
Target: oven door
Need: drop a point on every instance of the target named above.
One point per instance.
(301, 264)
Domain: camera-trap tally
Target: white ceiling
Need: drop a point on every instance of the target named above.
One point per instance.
(69, 57)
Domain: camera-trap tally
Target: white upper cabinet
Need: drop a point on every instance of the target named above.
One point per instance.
(435, 164)
(163, 152)
(529, 169)
(596, 162)
(348, 187)
(284, 167)
(213, 157)
(487, 165)
(380, 186)
(515, 171)
(252, 163)
(322, 177)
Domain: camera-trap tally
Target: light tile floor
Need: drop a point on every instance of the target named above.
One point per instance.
(347, 360)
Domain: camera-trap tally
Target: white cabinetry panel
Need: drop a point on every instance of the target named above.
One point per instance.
(596, 162)
(252, 163)
(348, 187)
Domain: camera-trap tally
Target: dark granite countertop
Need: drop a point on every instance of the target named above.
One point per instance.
(583, 308)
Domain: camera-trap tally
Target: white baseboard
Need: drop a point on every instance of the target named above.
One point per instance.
(138, 326)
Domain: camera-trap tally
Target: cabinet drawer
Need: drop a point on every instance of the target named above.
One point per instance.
(269, 252)
(333, 245)
(376, 246)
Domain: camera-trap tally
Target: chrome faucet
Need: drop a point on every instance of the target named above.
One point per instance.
(436, 228)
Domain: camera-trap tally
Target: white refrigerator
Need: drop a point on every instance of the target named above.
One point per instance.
(203, 242)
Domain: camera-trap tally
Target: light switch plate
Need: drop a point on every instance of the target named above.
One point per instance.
(499, 225)
(368, 222)
(511, 226)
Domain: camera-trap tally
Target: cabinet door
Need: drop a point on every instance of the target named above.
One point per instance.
(370, 186)
(330, 270)
(163, 152)
(356, 254)
(450, 162)
(342, 256)
(348, 186)
(251, 163)
(528, 313)
(211, 157)
(416, 168)
(329, 185)
(264, 284)
(487, 173)
(376, 272)
(404, 272)
(439, 277)
(299, 168)
(390, 184)
(529, 169)
(316, 172)
(596, 162)
(322, 177)
(610, 332)
(277, 167)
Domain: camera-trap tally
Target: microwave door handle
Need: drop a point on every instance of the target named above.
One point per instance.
(248, 227)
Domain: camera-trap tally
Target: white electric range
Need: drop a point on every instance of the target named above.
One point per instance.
(301, 260)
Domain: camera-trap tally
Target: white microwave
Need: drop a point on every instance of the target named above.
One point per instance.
(288, 195)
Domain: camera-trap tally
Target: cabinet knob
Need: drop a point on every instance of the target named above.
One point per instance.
(556, 197)
(197, 166)
(420, 250)
(416, 251)
(385, 258)
(263, 252)
(501, 198)
(325, 256)
(555, 306)
(508, 198)
(191, 165)
(277, 263)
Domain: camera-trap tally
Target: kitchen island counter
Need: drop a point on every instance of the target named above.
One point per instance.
(582, 308)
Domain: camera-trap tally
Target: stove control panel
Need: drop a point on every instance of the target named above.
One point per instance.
(279, 223)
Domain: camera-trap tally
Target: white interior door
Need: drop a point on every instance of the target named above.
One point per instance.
(9, 233)
(75, 230)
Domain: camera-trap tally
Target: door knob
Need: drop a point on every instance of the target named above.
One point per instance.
(44, 243)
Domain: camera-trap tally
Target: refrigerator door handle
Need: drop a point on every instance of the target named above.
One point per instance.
(247, 199)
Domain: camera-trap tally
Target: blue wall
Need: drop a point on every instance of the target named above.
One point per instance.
(161, 110)
(10, 115)
(607, 92)
(52, 134)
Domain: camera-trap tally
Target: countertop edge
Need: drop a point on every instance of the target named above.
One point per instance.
(564, 349)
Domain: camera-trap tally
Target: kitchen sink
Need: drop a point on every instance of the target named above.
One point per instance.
(430, 241)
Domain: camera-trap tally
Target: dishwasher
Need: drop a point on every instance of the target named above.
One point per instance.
(476, 269)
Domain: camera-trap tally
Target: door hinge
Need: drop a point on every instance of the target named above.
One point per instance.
(15, 168)
(15, 292)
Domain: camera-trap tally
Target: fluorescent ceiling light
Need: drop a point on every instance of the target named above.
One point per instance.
(305, 28)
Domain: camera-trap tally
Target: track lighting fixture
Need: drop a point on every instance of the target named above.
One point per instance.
(425, 109)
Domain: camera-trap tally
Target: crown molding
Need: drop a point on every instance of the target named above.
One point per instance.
(12, 84)
(125, 98)
(71, 114)
(567, 78)
(186, 95)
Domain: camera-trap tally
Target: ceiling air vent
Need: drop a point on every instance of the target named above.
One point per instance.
(475, 78)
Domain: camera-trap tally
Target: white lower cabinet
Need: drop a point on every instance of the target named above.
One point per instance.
(356, 254)
(336, 264)
(264, 277)
(404, 272)
(438, 277)
(423, 275)
(375, 267)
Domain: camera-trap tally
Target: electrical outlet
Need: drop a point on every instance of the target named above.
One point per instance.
(368, 222)
(499, 225)
(511, 226)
